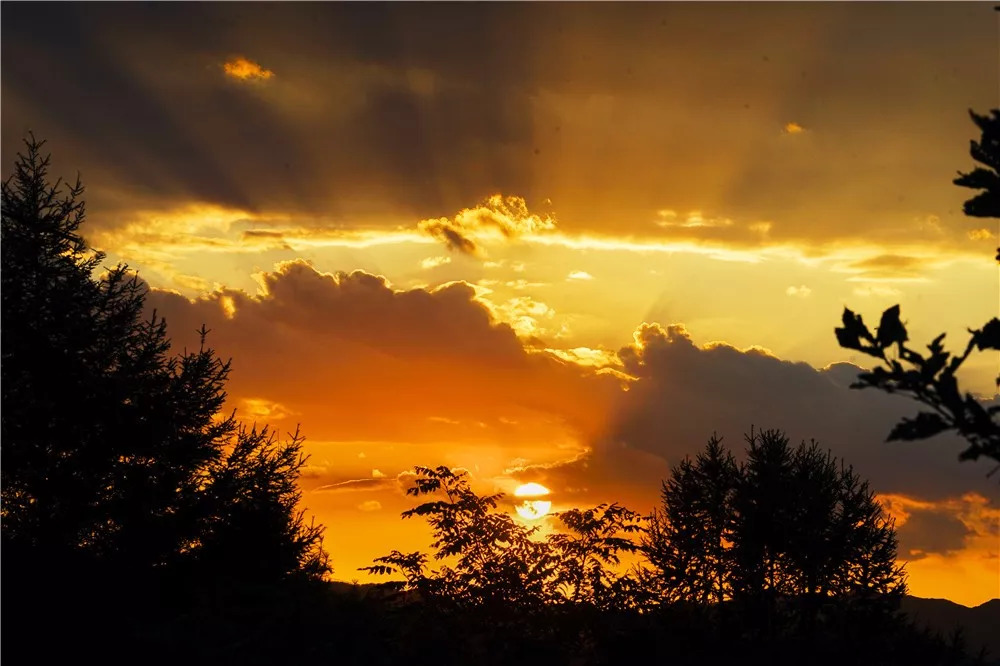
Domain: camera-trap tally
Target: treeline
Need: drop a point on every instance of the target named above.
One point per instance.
(784, 558)
(140, 525)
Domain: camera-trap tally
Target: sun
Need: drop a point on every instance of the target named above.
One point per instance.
(532, 508)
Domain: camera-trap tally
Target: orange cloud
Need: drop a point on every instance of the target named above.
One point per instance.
(497, 217)
(246, 70)
(358, 359)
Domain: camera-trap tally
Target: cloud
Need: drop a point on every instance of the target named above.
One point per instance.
(353, 485)
(684, 392)
(525, 315)
(434, 262)
(925, 528)
(498, 217)
(370, 505)
(579, 275)
(981, 234)
(262, 409)
(888, 267)
(801, 291)
(793, 128)
(364, 132)
(598, 358)
(357, 359)
(694, 219)
(876, 290)
(246, 70)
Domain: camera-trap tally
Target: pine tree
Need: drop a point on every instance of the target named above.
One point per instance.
(687, 539)
(115, 453)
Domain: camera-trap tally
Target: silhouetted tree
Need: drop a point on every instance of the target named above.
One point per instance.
(931, 379)
(807, 530)
(689, 536)
(787, 524)
(986, 151)
(494, 560)
(589, 552)
(114, 451)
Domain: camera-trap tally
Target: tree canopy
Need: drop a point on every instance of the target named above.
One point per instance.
(786, 523)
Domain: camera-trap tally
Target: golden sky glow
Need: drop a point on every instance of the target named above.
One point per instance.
(566, 263)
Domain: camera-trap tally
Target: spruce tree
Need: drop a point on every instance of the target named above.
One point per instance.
(115, 454)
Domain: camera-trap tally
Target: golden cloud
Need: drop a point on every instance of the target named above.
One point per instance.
(434, 262)
(498, 217)
(246, 70)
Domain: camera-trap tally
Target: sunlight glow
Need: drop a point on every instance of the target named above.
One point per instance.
(531, 490)
(533, 509)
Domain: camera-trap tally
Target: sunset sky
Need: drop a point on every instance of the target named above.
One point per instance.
(553, 243)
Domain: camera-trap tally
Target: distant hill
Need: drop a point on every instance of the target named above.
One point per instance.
(980, 625)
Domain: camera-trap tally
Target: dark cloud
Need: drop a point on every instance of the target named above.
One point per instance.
(380, 111)
(684, 393)
(932, 530)
(506, 217)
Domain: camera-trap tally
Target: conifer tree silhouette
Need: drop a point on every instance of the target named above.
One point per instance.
(788, 523)
(687, 536)
(114, 453)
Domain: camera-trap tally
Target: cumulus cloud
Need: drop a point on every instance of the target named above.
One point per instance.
(683, 392)
(243, 69)
(357, 359)
(579, 275)
(497, 218)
